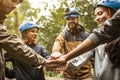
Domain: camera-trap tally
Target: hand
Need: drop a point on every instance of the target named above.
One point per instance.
(59, 68)
(50, 63)
(55, 55)
(61, 60)
(51, 66)
(55, 62)
(62, 67)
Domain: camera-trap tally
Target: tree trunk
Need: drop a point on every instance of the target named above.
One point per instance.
(16, 23)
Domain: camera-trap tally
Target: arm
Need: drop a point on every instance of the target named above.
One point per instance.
(57, 46)
(80, 49)
(80, 60)
(18, 50)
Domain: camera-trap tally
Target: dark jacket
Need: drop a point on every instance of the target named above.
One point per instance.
(17, 50)
(27, 73)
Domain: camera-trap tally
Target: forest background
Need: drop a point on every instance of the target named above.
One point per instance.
(51, 20)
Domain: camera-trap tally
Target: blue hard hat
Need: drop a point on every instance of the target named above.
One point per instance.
(114, 4)
(71, 12)
(27, 25)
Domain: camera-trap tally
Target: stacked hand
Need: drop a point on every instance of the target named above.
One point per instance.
(56, 62)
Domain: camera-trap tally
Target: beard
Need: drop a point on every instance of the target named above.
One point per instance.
(72, 25)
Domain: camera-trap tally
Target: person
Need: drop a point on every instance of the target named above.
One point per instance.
(73, 35)
(112, 59)
(103, 11)
(12, 44)
(29, 31)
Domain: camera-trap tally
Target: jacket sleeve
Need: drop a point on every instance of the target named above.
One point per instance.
(81, 60)
(109, 31)
(18, 50)
(58, 44)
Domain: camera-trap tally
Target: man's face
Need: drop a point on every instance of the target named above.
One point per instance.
(102, 15)
(8, 5)
(72, 22)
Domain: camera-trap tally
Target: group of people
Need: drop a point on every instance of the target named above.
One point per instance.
(106, 56)
(29, 58)
(104, 53)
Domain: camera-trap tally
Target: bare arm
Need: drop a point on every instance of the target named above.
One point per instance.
(82, 48)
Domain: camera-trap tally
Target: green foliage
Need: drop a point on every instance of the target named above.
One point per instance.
(51, 28)
(53, 74)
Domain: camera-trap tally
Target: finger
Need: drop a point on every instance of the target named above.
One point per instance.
(52, 61)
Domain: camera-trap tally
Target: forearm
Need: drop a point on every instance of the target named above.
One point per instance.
(82, 48)
(80, 60)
